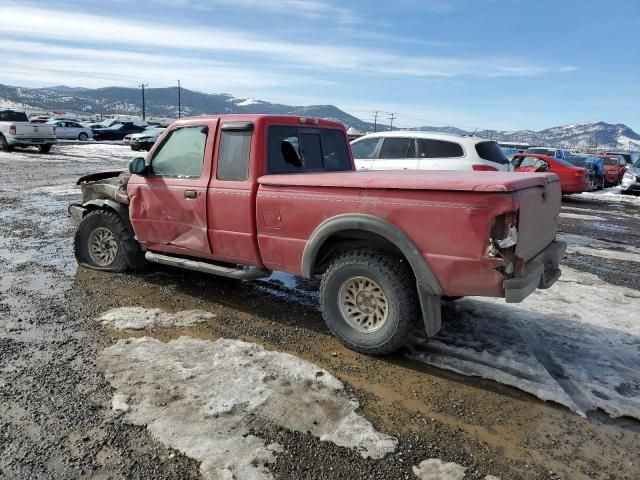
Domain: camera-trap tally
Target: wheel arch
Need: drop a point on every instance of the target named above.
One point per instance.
(428, 287)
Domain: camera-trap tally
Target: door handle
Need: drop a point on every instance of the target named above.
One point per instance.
(190, 194)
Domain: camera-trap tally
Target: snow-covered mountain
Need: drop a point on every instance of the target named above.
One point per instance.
(163, 102)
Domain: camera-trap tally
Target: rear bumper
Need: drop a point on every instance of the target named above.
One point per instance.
(540, 272)
(30, 142)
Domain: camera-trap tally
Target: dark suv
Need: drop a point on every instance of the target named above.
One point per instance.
(117, 131)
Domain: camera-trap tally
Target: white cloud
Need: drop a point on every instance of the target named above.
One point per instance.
(53, 25)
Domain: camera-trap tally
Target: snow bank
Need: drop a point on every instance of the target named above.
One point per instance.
(575, 344)
(138, 318)
(203, 397)
(577, 216)
(608, 195)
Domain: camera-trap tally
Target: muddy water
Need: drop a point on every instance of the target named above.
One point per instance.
(55, 415)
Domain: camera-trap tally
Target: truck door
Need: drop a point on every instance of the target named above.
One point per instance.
(231, 198)
(168, 205)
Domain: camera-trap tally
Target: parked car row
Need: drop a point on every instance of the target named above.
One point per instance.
(407, 150)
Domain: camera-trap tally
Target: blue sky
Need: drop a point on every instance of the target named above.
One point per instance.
(506, 64)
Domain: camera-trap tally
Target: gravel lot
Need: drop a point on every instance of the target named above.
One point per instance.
(56, 415)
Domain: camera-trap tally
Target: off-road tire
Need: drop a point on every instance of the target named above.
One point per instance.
(83, 137)
(111, 221)
(44, 148)
(4, 145)
(397, 282)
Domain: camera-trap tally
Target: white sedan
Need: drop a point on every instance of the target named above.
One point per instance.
(70, 130)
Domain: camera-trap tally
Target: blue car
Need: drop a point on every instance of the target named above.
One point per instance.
(595, 165)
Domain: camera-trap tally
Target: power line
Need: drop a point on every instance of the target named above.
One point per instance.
(392, 117)
(179, 100)
(375, 120)
(144, 106)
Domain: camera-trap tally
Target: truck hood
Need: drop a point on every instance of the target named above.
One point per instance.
(416, 180)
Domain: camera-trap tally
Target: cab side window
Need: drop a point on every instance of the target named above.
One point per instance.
(365, 148)
(181, 154)
(393, 148)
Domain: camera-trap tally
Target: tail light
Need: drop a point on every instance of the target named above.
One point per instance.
(484, 168)
(12, 130)
(54, 129)
(581, 173)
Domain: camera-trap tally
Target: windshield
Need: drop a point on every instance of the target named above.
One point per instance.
(11, 116)
(611, 161)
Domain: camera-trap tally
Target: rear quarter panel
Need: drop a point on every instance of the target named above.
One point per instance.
(450, 228)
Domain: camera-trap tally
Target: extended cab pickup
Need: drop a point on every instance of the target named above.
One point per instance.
(16, 131)
(241, 196)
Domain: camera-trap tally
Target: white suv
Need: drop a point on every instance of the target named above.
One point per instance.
(407, 150)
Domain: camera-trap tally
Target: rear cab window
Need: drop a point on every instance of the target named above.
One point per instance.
(292, 149)
(11, 116)
(491, 152)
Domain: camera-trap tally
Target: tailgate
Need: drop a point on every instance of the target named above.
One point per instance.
(538, 217)
(27, 130)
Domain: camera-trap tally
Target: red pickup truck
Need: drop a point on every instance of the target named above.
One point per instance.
(241, 196)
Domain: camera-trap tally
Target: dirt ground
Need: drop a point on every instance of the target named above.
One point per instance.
(56, 419)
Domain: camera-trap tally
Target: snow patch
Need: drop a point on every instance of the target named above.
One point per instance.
(575, 343)
(202, 398)
(435, 469)
(608, 194)
(138, 318)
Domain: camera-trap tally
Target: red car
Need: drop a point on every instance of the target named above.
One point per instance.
(614, 168)
(572, 179)
(242, 195)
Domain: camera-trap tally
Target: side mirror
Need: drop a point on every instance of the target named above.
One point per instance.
(138, 166)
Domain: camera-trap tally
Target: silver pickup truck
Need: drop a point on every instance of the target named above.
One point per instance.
(16, 131)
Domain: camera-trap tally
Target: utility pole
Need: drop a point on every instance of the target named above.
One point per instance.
(375, 120)
(179, 100)
(144, 105)
(392, 117)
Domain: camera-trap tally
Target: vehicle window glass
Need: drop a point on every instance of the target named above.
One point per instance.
(428, 148)
(395, 148)
(411, 153)
(181, 154)
(233, 158)
(10, 116)
(365, 148)
(527, 162)
(283, 150)
(491, 152)
(311, 151)
(335, 151)
(295, 150)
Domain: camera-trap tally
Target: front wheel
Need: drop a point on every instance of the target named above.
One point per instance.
(83, 137)
(101, 240)
(369, 301)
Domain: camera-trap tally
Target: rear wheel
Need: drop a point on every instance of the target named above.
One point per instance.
(44, 148)
(369, 301)
(101, 240)
(4, 145)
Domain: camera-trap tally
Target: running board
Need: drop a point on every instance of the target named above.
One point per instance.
(204, 267)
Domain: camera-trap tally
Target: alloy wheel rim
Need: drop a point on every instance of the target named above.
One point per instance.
(103, 247)
(363, 304)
